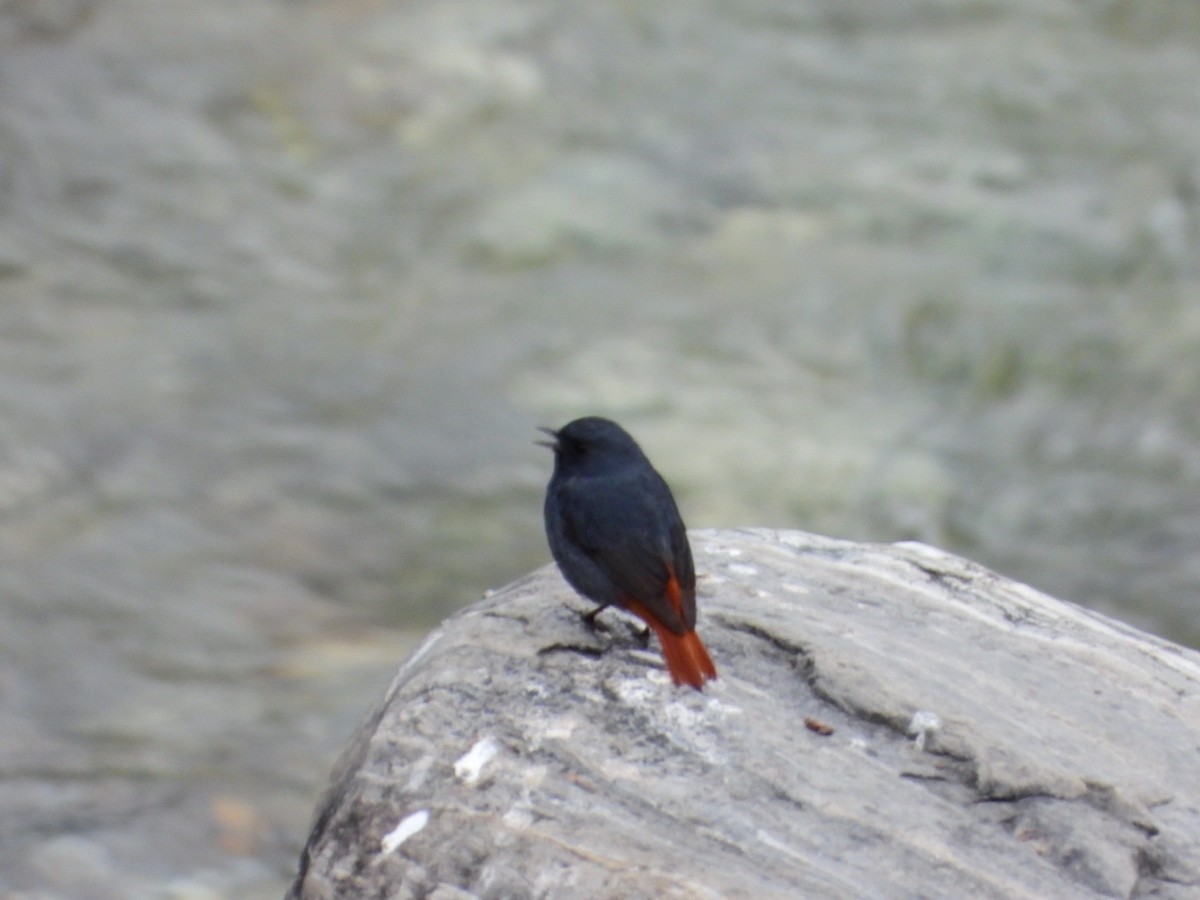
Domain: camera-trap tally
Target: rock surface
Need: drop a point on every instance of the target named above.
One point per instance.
(986, 741)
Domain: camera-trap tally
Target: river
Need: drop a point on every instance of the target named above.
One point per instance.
(285, 288)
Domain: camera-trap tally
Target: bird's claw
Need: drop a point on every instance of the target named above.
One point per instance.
(589, 619)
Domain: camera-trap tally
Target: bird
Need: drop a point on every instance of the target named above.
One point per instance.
(618, 538)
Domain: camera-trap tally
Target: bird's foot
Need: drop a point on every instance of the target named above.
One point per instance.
(589, 619)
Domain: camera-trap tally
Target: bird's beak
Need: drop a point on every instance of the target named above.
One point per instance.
(553, 445)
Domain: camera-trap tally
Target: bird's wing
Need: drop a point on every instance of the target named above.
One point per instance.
(634, 534)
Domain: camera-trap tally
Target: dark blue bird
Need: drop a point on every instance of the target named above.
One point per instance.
(618, 538)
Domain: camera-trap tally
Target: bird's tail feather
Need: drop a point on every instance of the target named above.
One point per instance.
(687, 659)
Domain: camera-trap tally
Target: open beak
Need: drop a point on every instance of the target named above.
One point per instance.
(553, 445)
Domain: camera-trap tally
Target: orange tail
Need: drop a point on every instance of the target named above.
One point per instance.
(687, 660)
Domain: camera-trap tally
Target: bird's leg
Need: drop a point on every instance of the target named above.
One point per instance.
(589, 618)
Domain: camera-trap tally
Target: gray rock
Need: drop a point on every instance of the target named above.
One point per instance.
(986, 741)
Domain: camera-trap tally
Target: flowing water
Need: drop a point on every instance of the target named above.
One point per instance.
(286, 286)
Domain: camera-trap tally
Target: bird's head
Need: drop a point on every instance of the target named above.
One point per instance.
(591, 446)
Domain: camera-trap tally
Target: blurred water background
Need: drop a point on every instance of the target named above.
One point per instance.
(285, 287)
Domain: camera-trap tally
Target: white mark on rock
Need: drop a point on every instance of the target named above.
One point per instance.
(720, 707)
(518, 817)
(792, 588)
(617, 770)
(408, 826)
(923, 725)
(637, 692)
(559, 728)
(775, 844)
(742, 569)
(470, 765)
(532, 777)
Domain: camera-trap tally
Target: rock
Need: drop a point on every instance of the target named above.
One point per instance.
(889, 721)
